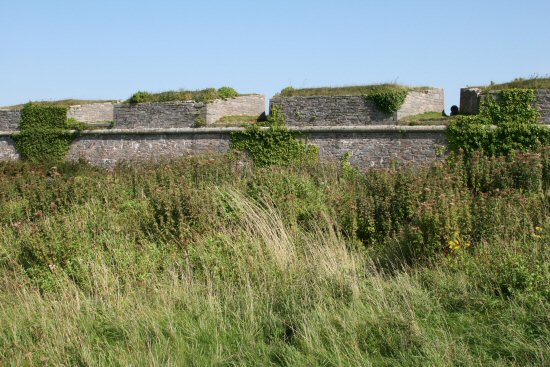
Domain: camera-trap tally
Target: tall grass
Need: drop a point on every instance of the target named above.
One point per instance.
(212, 262)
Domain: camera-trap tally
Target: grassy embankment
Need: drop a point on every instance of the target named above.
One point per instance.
(209, 262)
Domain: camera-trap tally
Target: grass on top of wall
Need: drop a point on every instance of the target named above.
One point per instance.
(521, 83)
(203, 95)
(346, 90)
(62, 103)
(426, 119)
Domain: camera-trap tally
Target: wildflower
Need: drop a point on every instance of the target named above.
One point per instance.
(538, 229)
(52, 267)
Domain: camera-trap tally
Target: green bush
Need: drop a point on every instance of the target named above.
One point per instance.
(506, 123)
(227, 92)
(139, 97)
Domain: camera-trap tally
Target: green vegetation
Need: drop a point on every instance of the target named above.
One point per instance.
(387, 97)
(355, 90)
(60, 103)
(505, 124)
(388, 100)
(426, 118)
(205, 95)
(274, 144)
(237, 120)
(45, 134)
(208, 262)
(520, 83)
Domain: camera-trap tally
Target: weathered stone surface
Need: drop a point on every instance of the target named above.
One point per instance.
(370, 148)
(249, 105)
(330, 110)
(9, 120)
(380, 149)
(185, 114)
(93, 112)
(469, 101)
(353, 110)
(108, 150)
(417, 102)
(159, 115)
(7, 149)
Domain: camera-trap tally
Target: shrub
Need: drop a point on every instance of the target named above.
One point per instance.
(506, 123)
(227, 92)
(139, 97)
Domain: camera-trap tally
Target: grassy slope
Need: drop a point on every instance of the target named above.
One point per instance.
(206, 262)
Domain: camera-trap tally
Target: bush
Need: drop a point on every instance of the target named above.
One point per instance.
(506, 123)
(227, 92)
(139, 97)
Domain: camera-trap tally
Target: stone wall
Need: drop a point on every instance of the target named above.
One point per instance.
(93, 112)
(417, 102)
(249, 105)
(109, 149)
(7, 149)
(382, 148)
(470, 100)
(159, 115)
(353, 110)
(370, 146)
(185, 114)
(9, 120)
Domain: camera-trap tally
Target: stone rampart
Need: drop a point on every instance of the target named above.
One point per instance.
(93, 112)
(371, 146)
(246, 105)
(353, 110)
(159, 115)
(9, 120)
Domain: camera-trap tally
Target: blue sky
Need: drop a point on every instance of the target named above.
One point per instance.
(99, 49)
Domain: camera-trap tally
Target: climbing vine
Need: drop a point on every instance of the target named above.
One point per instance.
(507, 122)
(44, 135)
(273, 144)
(388, 100)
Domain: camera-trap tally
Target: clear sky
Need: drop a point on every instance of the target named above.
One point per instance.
(99, 49)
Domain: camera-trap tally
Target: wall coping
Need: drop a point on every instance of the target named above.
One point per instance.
(223, 130)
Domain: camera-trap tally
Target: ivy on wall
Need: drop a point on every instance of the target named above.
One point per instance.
(507, 122)
(274, 145)
(45, 134)
(388, 100)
